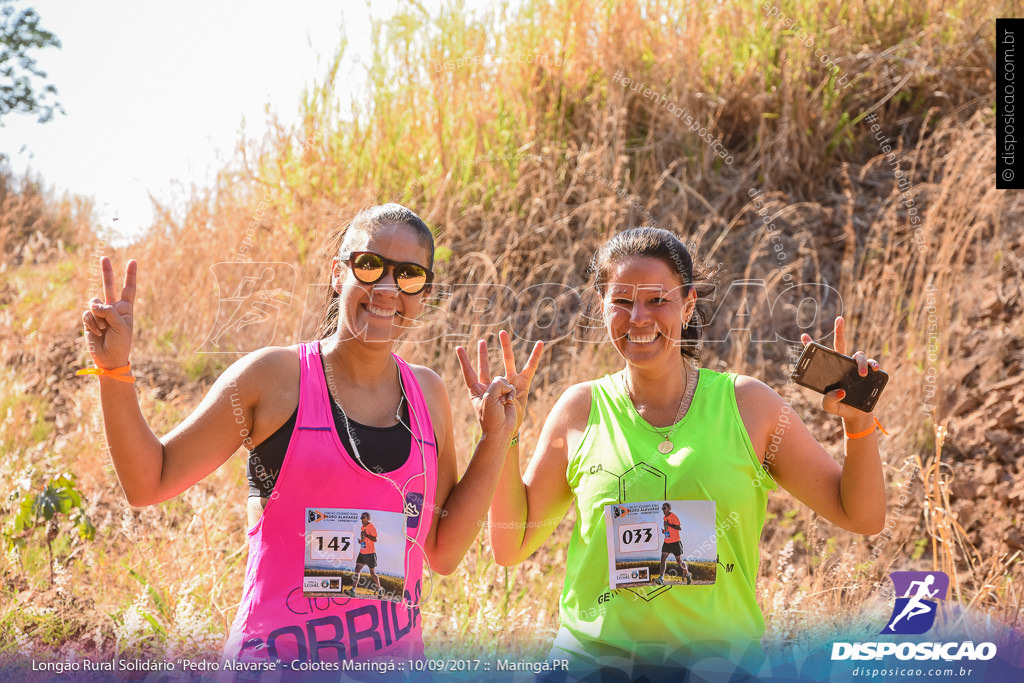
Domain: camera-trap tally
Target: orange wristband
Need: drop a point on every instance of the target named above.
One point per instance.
(877, 425)
(120, 374)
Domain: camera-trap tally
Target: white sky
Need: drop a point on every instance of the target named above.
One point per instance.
(156, 93)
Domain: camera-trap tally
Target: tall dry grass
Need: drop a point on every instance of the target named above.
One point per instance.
(524, 166)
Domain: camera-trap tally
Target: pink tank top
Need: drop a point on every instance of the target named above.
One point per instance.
(304, 548)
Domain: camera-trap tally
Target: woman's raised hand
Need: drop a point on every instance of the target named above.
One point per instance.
(108, 324)
(499, 403)
(830, 402)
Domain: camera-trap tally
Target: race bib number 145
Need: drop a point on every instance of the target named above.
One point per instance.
(332, 545)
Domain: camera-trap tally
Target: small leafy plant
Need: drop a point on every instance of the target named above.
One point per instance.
(43, 509)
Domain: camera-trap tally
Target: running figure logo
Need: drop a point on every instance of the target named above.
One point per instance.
(251, 296)
(917, 599)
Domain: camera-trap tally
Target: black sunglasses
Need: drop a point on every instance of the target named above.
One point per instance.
(368, 267)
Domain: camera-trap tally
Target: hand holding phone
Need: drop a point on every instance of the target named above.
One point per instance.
(823, 370)
(826, 370)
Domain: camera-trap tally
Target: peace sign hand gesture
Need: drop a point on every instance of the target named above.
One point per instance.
(108, 324)
(500, 404)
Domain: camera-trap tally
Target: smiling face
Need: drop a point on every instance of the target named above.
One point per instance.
(644, 310)
(379, 312)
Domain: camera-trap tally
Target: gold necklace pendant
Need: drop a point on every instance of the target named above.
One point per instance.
(666, 446)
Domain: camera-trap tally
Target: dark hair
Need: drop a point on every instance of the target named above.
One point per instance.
(366, 224)
(660, 244)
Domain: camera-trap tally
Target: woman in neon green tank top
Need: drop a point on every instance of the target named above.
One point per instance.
(667, 464)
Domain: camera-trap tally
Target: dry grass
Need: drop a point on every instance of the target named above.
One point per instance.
(524, 167)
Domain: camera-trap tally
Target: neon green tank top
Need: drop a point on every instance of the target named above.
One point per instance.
(618, 463)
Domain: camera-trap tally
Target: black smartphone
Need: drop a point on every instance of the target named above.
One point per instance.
(823, 370)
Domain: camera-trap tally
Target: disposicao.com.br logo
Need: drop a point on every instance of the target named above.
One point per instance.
(917, 596)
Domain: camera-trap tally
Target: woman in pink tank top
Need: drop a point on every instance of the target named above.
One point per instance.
(336, 551)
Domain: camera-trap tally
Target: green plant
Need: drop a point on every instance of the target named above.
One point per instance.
(58, 497)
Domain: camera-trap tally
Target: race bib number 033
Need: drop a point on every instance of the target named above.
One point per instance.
(661, 543)
(635, 538)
